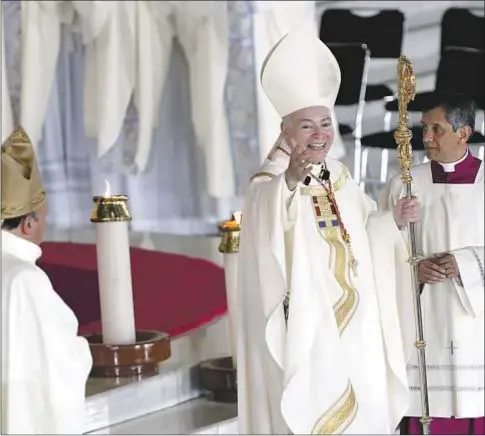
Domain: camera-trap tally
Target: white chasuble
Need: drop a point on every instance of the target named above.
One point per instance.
(451, 221)
(335, 367)
(45, 364)
(41, 38)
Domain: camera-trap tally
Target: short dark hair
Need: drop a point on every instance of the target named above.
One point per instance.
(460, 110)
(14, 223)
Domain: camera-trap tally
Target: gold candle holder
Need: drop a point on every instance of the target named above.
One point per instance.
(110, 209)
(218, 376)
(230, 234)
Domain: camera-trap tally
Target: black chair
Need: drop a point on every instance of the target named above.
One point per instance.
(353, 59)
(382, 33)
(461, 70)
(462, 28)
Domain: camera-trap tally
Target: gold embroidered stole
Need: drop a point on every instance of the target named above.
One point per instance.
(341, 414)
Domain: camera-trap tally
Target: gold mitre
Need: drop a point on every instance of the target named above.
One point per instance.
(22, 189)
(300, 71)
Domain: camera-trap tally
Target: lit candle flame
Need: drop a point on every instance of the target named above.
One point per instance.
(107, 189)
(237, 217)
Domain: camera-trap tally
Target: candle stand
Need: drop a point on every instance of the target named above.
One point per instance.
(219, 376)
(120, 351)
(129, 360)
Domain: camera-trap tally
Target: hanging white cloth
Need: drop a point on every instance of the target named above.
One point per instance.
(108, 32)
(202, 28)
(153, 39)
(129, 49)
(7, 116)
(41, 33)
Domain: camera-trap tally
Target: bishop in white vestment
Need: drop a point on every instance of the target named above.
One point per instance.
(45, 364)
(317, 350)
(450, 240)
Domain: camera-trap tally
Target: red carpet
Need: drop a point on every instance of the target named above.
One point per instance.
(172, 293)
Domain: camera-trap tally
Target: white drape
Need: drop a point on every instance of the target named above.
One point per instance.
(41, 28)
(108, 33)
(7, 117)
(169, 196)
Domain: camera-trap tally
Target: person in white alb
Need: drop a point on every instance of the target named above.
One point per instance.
(45, 364)
(450, 240)
(317, 352)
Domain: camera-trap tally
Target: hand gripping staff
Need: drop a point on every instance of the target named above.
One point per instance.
(406, 82)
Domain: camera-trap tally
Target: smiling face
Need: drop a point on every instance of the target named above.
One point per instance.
(310, 127)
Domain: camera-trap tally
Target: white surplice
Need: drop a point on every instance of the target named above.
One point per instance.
(45, 364)
(338, 366)
(452, 221)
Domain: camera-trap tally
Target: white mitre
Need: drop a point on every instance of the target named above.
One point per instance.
(300, 71)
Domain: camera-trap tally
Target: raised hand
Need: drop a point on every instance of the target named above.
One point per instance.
(299, 166)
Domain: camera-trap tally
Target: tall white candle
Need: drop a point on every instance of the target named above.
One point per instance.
(231, 271)
(115, 285)
(231, 259)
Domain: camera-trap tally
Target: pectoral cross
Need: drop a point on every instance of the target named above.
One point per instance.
(452, 348)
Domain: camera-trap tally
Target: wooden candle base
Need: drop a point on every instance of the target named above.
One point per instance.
(219, 377)
(130, 360)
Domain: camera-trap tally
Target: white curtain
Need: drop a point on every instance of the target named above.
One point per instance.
(168, 197)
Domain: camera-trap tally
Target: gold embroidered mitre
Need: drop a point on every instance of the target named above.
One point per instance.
(22, 189)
